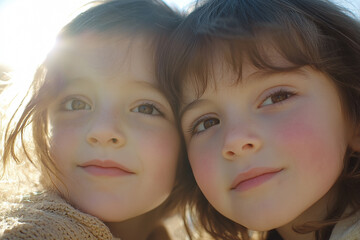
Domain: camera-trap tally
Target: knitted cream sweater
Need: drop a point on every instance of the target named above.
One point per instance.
(47, 216)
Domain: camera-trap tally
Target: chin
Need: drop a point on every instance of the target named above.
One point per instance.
(106, 215)
(261, 226)
(262, 223)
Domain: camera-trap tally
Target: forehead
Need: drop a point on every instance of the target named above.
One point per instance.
(104, 56)
(223, 71)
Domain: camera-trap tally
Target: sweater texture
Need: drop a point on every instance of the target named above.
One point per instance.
(46, 216)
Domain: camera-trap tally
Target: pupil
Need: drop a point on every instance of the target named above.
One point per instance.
(210, 123)
(145, 109)
(279, 98)
(77, 104)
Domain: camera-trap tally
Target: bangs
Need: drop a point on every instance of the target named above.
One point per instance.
(229, 33)
(270, 49)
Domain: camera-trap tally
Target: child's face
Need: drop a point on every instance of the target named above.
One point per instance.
(267, 149)
(113, 133)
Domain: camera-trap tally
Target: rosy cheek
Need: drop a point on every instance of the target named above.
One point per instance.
(164, 143)
(307, 142)
(65, 141)
(205, 168)
(159, 150)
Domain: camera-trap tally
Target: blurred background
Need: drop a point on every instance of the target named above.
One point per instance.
(28, 28)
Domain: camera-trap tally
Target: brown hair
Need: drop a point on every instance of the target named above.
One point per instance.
(26, 136)
(314, 33)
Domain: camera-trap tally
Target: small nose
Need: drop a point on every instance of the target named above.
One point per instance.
(238, 143)
(112, 141)
(106, 136)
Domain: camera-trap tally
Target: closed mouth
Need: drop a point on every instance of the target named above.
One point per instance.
(253, 177)
(105, 168)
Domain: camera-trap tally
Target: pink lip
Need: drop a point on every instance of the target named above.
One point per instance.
(105, 168)
(254, 177)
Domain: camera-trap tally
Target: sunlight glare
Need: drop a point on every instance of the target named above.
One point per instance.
(29, 29)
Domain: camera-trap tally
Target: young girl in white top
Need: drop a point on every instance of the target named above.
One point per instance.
(100, 129)
(270, 112)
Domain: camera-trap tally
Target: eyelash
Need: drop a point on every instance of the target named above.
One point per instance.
(202, 119)
(148, 104)
(279, 92)
(68, 100)
(63, 105)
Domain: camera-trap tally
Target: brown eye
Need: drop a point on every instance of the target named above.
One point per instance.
(211, 122)
(147, 109)
(76, 104)
(205, 124)
(277, 97)
(280, 97)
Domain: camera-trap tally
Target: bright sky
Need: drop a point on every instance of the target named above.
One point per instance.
(28, 27)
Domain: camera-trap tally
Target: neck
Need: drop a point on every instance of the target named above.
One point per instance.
(140, 227)
(316, 212)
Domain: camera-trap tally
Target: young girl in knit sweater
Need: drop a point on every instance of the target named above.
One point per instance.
(270, 112)
(100, 129)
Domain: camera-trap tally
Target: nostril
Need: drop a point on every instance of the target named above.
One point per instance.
(93, 140)
(230, 153)
(248, 146)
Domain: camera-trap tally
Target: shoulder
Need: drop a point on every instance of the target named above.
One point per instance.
(348, 229)
(47, 216)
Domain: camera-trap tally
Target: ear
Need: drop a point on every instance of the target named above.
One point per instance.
(354, 142)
